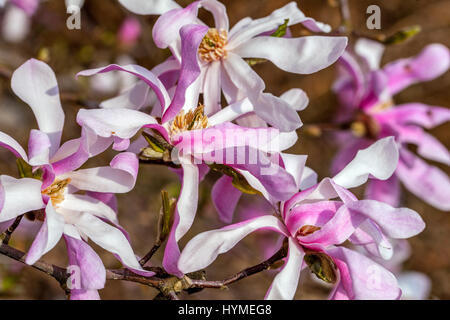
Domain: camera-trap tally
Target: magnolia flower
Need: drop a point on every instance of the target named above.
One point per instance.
(196, 139)
(316, 226)
(50, 187)
(366, 95)
(223, 50)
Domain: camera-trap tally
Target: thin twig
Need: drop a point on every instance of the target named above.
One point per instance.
(150, 254)
(58, 273)
(280, 254)
(7, 234)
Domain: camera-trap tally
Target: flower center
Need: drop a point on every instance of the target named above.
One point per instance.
(212, 47)
(193, 120)
(56, 191)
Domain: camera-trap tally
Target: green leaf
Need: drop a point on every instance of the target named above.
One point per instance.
(402, 35)
(166, 215)
(322, 266)
(238, 180)
(26, 171)
(281, 31)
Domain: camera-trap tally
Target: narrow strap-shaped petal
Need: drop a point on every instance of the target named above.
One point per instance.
(272, 22)
(191, 36)
(119, 122)
(90, 205)
(416, 113)
(35, 83)
(397, 223)
(38, 148)
(362, 278)
(145, 75)
(109, 238)
(184, 215)
(225, 198)
(427, 182)
(119, 177)
(12, 145)
(429, 64)
(379, 160)
(204, 248)
(19, 196)
(387, 191)
(48, 236)
(285, 283)
(303, 55)
(92, 272)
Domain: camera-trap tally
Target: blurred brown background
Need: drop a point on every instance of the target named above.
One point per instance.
(68, 52)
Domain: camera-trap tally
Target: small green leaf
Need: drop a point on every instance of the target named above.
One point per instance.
(166, 216)
(322, 266)
(154, 142)
(238, 180)
(254, 61)
(281, 31)
(402, 35)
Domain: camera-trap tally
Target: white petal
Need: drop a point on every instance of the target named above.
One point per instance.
(379, 160)
(35, 83)
(19, 196)
(303, 55)
(285, 283)
(49, 234)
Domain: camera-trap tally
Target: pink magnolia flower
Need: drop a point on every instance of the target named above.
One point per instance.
(222, 52)
(316, 226)
(196, 137)
(366, 97)
(51, 191)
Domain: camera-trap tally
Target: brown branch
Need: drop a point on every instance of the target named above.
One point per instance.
(150, 254)
(6, 236)
(169, 286)
(265, 265)
(58, 273)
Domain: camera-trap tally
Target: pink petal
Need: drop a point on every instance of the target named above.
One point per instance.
(225, 198)
(427, 182)
(362, 278)
(387, 191)
(432, 62)
(191, 37)
(92, 272)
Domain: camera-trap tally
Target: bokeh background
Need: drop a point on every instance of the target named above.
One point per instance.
(96, 44)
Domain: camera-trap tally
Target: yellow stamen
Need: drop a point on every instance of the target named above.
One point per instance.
(56, 191)
(212, 47)
(193, 120)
